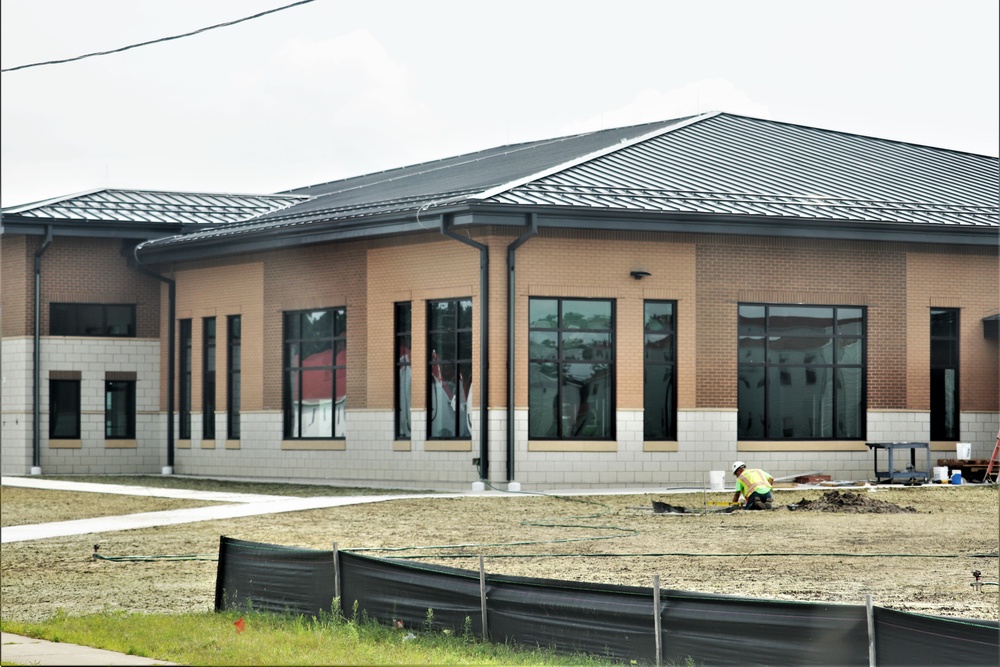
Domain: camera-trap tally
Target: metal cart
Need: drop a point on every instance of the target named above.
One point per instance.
(908, 476)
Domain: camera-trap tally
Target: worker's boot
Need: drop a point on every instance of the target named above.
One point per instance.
(759, 504)
(769, 505)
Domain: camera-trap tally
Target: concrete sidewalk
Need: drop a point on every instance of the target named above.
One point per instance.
(28, 651)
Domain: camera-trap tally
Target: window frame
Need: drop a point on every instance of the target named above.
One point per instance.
(462, 431)
(648, 364)
(208, 377)
(336, 339)
(110, 409)
(770, 367)
(560, 361)
(937, 426)
(234, 377)
(185, 345)
(55, 411)
(68, 323)
(403, 350)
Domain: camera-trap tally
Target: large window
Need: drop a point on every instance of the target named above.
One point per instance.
(119, 409)
(208, 378)
(801, 372)
(91, 319)
(449, 354)
(659, 379)
(233, 364)
(315, 377)
(944, 374)
(184, 398)
(571, 364)
(403, 370)
(64, 409)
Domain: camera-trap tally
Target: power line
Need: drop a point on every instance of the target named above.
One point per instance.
(157, 41)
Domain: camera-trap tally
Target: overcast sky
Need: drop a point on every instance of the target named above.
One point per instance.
(338, 88)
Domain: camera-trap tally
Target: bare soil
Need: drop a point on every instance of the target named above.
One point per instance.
(912, 549)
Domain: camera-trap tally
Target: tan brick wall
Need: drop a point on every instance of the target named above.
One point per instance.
(954, 277)
(83, 270)
(16, 285)
(744, 269)
(230, 289)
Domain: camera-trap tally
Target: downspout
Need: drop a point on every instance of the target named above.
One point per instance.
(171, 328)
(484, 338)
(36, 437)
(511, 298)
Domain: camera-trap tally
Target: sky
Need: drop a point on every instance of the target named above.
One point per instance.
(337, 88)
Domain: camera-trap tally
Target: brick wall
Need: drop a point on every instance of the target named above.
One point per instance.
(16, 285)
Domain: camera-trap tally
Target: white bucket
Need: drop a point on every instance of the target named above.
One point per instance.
(964, 450)
(940, 474)
(716, 479)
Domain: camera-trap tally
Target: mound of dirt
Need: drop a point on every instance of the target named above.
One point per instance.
(850, 501)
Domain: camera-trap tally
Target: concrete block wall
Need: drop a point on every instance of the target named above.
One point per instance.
(16, 415)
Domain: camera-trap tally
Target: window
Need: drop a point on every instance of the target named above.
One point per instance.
(119, 409)
(184, 398)
(449, 354)
(403, 370)
(208, 378)
(64, 409)
(91, 319)
(801, 372)
(233, 362)
(315, 377)
(571, 368)
(659, 378)
(944, 374)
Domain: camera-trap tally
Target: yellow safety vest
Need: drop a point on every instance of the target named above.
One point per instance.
(754, 480)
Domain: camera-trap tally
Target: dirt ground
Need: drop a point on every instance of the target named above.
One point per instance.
(912, 549)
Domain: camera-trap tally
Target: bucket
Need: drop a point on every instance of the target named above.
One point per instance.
(964, 450)
(716, 479)
(956, 476)
(940, 474)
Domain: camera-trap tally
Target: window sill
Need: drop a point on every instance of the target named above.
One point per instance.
(313, 445)
(208, 444)
(660, 446)
(232, 444)
(573, 446)
(183, 444)
(119, 444)
(448, 446)
(401, 446)
(65, 444)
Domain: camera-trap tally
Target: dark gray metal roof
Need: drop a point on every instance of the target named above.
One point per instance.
(143, 210)
(715, 172)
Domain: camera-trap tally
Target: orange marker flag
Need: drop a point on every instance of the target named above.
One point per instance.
(240, 625)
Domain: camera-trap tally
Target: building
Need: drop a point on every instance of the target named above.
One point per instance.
(654, 301)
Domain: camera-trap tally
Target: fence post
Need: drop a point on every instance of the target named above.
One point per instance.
(336, 576)
(656, 619)
(871, 630)
(482, 598)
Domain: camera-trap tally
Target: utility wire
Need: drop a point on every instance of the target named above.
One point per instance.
(157, 41)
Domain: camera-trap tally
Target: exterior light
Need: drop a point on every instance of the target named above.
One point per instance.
(639, 275)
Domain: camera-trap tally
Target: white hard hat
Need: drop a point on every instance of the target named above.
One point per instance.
(737, 465)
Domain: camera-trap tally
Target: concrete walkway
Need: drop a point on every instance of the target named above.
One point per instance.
(27, 651)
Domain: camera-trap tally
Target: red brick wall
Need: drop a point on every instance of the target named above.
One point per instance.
(16, 285)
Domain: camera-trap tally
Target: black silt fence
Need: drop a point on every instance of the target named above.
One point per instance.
(619, 622)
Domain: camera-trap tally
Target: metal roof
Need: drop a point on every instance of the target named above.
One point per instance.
(146, 208)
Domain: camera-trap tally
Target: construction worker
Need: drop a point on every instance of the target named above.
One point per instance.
(754, 485)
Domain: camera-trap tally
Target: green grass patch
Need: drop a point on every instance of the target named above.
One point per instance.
(268, 639)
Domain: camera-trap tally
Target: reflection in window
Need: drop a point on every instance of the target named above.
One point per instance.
(315, 376)
(119, 409)
(234, 364)
(64, 409)
(449, 354)
(571, 361)
(92, 319)
(403, 370)
(208, 379)
(184, 409)
(659, 371)
(944, 374)
(801, 372)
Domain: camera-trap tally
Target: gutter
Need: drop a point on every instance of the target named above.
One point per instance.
(171, 344)
(484, 338)
(532, 221)
(36, 409)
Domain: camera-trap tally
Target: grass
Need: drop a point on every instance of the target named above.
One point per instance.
(229, 485)
(268, 639)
